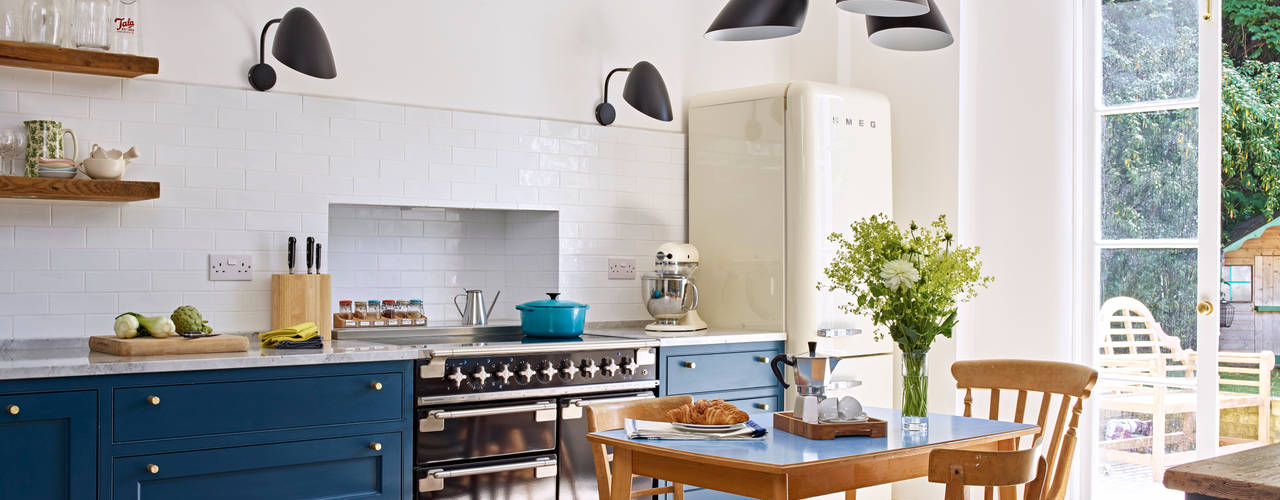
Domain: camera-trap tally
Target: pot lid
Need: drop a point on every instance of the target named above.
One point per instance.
(553, 302)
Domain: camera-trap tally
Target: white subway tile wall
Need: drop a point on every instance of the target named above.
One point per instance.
(241, 171)
(433, 254)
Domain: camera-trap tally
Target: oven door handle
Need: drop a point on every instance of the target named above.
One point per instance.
(573, 408)
(543, 411)
(434, 480)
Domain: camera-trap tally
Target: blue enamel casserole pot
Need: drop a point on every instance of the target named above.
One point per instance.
(552, 318)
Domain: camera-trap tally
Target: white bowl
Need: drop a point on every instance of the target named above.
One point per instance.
(101, 168)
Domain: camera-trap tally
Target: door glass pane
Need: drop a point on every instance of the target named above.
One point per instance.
(1148, 329)
(1148, 182)
(1149, 50)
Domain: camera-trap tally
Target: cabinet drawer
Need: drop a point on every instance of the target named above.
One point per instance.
(172, 411)
(49, 448)
(718, 372)
(346, 467)
(757, 405)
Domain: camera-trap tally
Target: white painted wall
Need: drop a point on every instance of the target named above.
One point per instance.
(543, 59)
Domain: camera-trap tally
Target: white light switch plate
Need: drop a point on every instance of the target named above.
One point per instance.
(230, 267)
(622, 268)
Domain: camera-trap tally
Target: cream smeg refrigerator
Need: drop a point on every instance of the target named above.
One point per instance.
(773, 170)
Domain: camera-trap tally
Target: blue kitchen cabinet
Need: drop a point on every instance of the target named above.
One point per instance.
(733, 372)
(48, 445)
(355, 467)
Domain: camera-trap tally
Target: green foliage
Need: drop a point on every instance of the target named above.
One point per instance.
(1162, 278)
(915, 306)
(1251, 29)
(1250, 141)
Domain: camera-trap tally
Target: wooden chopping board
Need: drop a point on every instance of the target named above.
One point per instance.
(150, 346)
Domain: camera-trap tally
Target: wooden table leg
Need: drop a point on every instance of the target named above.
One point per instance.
(1008, 492)
(621, 488)
(778, 490)
(851, 495)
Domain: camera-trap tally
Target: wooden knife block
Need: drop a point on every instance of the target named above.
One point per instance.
(298, 298)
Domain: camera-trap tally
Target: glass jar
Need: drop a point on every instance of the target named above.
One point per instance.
(402, 308)
(125, 36)
(362, 314)
(417, 313)
(93, 27)
(12, 21)
(375, 313)
(345, 309)
(346, 315)
(389, 313)
(44, 22)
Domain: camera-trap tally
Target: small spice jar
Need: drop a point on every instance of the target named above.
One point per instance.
(362, 314)
(389, 312)
(344, 317)
(416, 312)
(375, 313)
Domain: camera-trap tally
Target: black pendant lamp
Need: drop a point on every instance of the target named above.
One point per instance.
(300, 43)
(885, 8)
(644, 91)
(757, 20)
(924, 32)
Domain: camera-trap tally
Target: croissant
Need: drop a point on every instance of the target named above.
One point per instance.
(708, 412)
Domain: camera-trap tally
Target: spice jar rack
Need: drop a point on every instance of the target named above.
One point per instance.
(379, 313)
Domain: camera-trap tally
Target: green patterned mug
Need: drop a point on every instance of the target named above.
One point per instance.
(44, 139)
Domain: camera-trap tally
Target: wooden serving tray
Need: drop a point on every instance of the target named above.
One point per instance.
(150, 346)
(872, 427)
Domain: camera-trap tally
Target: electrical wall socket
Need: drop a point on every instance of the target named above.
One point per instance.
(230, 267)
(622, 269)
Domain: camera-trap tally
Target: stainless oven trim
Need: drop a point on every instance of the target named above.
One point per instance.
(573, 409)
(434, 367)
(537, 393)
(543, 411)
(434, 481)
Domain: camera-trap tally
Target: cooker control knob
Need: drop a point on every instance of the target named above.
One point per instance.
(610, 368)
(481, 375)
(589, 368)
(526, 373)
(547, 371)
(628, 365)
(457, 377)
(568, 369)
(505, 374)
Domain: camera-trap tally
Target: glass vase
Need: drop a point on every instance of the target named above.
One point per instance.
(915, 390)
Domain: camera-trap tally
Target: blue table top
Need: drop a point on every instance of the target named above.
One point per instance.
(781, 449)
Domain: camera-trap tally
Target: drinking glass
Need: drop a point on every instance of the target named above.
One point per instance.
(44, 22)
(127, 38)
(92, 25)
(11, 21)
(12, 143)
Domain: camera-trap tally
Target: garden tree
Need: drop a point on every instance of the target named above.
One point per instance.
(1251, 29)
(1250, 141)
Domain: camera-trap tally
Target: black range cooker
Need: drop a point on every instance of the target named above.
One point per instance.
(502, 417)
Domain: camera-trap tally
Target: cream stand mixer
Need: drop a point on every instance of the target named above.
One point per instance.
(670, 295)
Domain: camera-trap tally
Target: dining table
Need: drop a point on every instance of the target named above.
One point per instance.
(1252, 474)
(785, 466)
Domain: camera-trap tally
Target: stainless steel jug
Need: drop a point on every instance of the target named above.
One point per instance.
(474, 312)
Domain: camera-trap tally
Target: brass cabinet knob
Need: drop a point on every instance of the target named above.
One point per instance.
(1205, 308)
(154, 400)
(13, 409)
(153, 468)
(762, 359)
(762, 406)
(375, 446)
(689, 364)
(377, 386)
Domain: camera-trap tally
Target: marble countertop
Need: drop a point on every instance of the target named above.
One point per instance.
(46, 358)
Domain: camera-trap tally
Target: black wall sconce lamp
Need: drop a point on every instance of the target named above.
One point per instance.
(300, 43)
(644, 91)
(893, 24)
(757, 20)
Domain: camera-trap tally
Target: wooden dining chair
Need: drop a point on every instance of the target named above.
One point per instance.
(611, 416)
(961, 468)
(1068, 383)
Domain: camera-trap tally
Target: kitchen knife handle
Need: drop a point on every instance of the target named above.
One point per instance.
(317, 258)
(293, 253)
(311, 248)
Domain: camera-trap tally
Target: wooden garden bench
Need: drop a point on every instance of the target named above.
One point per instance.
(1146, 371)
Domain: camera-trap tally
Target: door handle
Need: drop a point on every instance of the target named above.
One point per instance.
(543, 412)
(1205, 308)
(434, 480)
(574, 407)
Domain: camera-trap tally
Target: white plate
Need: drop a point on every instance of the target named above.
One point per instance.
(56, 175)
(706, 427)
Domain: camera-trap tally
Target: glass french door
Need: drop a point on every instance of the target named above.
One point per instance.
(1150, 248)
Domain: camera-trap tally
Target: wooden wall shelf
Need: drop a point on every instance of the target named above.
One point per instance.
(77, 189)
(92, 62)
